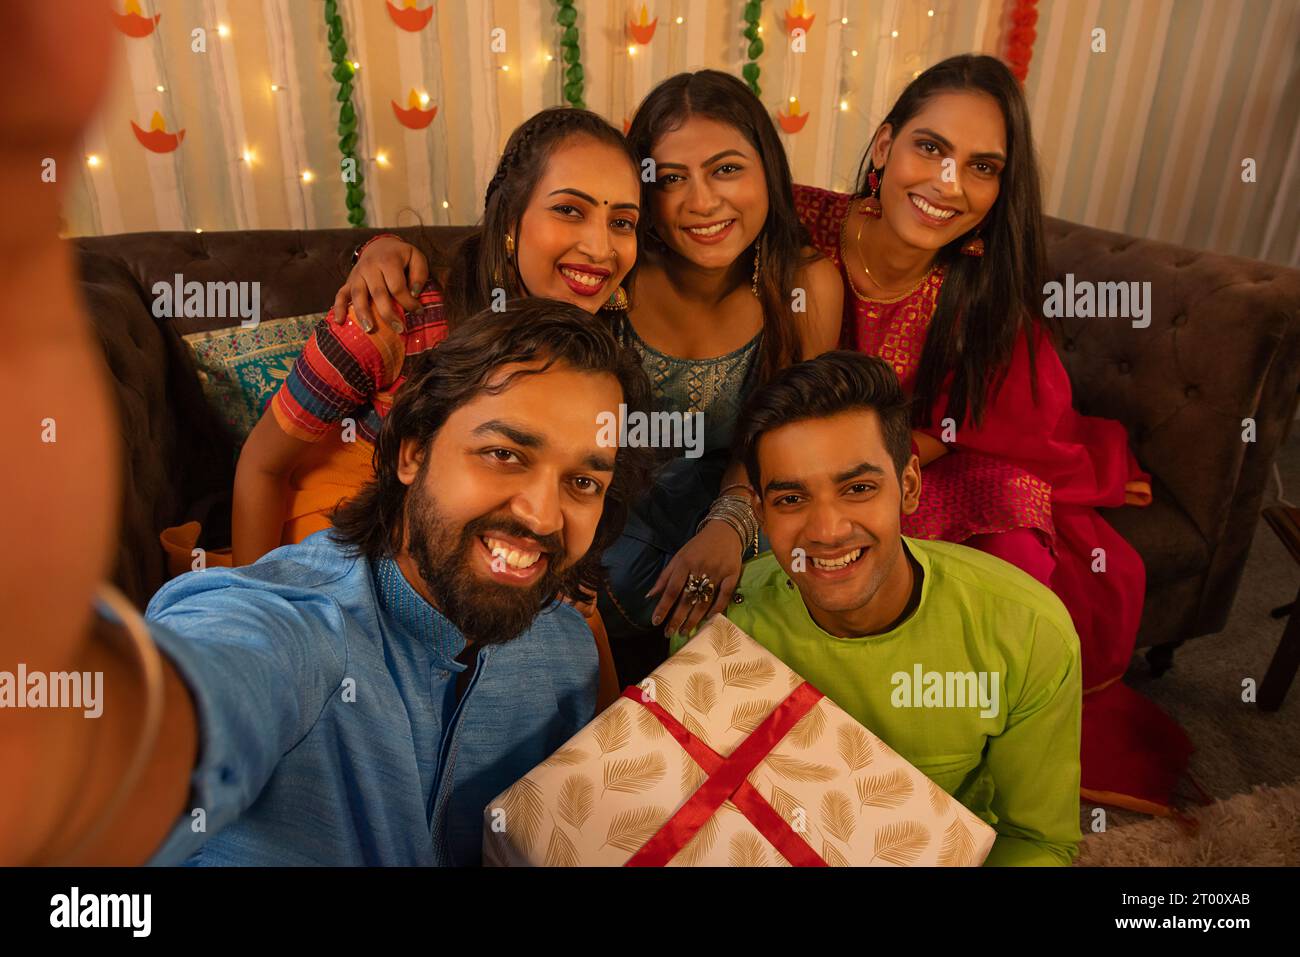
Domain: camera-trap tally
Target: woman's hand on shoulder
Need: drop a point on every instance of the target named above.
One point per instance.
(390, 273)
(824, 300)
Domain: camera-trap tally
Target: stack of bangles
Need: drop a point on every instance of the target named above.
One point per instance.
(738, 512)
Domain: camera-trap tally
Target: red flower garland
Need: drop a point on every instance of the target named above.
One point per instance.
(1020, 41)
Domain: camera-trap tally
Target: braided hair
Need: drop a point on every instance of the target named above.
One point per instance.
(479, 264)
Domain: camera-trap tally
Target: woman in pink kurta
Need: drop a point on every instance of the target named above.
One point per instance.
(1025, 481)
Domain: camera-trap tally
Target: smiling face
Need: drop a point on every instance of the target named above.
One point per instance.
(710, 195)
(508, 497)
(577, 235)
(830, 489)
(927, 201)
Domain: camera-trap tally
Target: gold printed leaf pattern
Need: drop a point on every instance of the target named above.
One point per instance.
(958, 846)
(630, 829)
(746, 850)
(725, 641)
(884, 790)
(809, 728)
(633, 775)
(854, 747)
(560, 852)
(794, 680)
(700, 844)
(784, 804)
(795, 770)
(833, 857)
(901, 843)
(748, 715)
(688, 658)
(938, 798)
(694, 727)
(837, 815)
(650, 726)
(664, 694)
(748, 674)
(613, 731)
(693, 777)
(576, 801)
(523, 806)
(566, 757)
(701, 692)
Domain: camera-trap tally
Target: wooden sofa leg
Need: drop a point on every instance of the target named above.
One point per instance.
(1161, 657)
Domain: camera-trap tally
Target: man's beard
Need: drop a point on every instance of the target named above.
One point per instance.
(486, 612)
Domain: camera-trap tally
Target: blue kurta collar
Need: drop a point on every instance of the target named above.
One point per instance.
(405, 606)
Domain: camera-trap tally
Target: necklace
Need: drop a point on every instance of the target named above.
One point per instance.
(857, 240)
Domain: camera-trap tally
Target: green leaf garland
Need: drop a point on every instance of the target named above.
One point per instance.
(347, 128)
(570, 53)
(753, 10)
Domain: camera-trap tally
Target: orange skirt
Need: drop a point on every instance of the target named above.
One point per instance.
(331, 472)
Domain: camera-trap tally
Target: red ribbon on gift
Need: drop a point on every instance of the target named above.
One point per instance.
(726, 781)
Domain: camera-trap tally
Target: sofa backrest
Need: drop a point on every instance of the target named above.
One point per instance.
(178, 461)
(1223, 345)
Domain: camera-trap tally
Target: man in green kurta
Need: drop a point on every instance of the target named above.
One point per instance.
(962, 663)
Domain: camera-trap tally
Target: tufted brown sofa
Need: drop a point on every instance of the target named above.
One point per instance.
(1223, 345)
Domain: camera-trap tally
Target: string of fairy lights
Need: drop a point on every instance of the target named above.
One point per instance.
(863, 40)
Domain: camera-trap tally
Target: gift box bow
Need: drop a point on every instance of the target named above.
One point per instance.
(716, 712)
(727, 780)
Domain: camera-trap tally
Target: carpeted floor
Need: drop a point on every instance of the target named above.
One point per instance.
(1239, 748)
(1260, 829)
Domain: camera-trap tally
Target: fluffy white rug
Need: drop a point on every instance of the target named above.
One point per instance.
(1261, 828)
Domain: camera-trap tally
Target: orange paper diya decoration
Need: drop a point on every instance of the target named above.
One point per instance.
(414, 118)
(793, 121)
(642, 31)
(133, 22)
(157, 138)
(410, 17)
(798, 18)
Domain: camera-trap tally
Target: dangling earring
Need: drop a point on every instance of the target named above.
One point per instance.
(617, 301)
(510, 246)
(758, 264)
(973, 246)
(871, 205)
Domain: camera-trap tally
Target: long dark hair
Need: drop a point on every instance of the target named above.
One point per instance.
(722, 97)
(372, 522)
(479, 264)
(985, 302)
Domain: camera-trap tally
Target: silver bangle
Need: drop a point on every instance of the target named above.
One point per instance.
(738, 513)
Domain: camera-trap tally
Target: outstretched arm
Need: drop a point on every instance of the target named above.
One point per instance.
(60, 487)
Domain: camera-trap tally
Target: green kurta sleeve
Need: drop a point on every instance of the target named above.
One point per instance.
(1035, 760)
